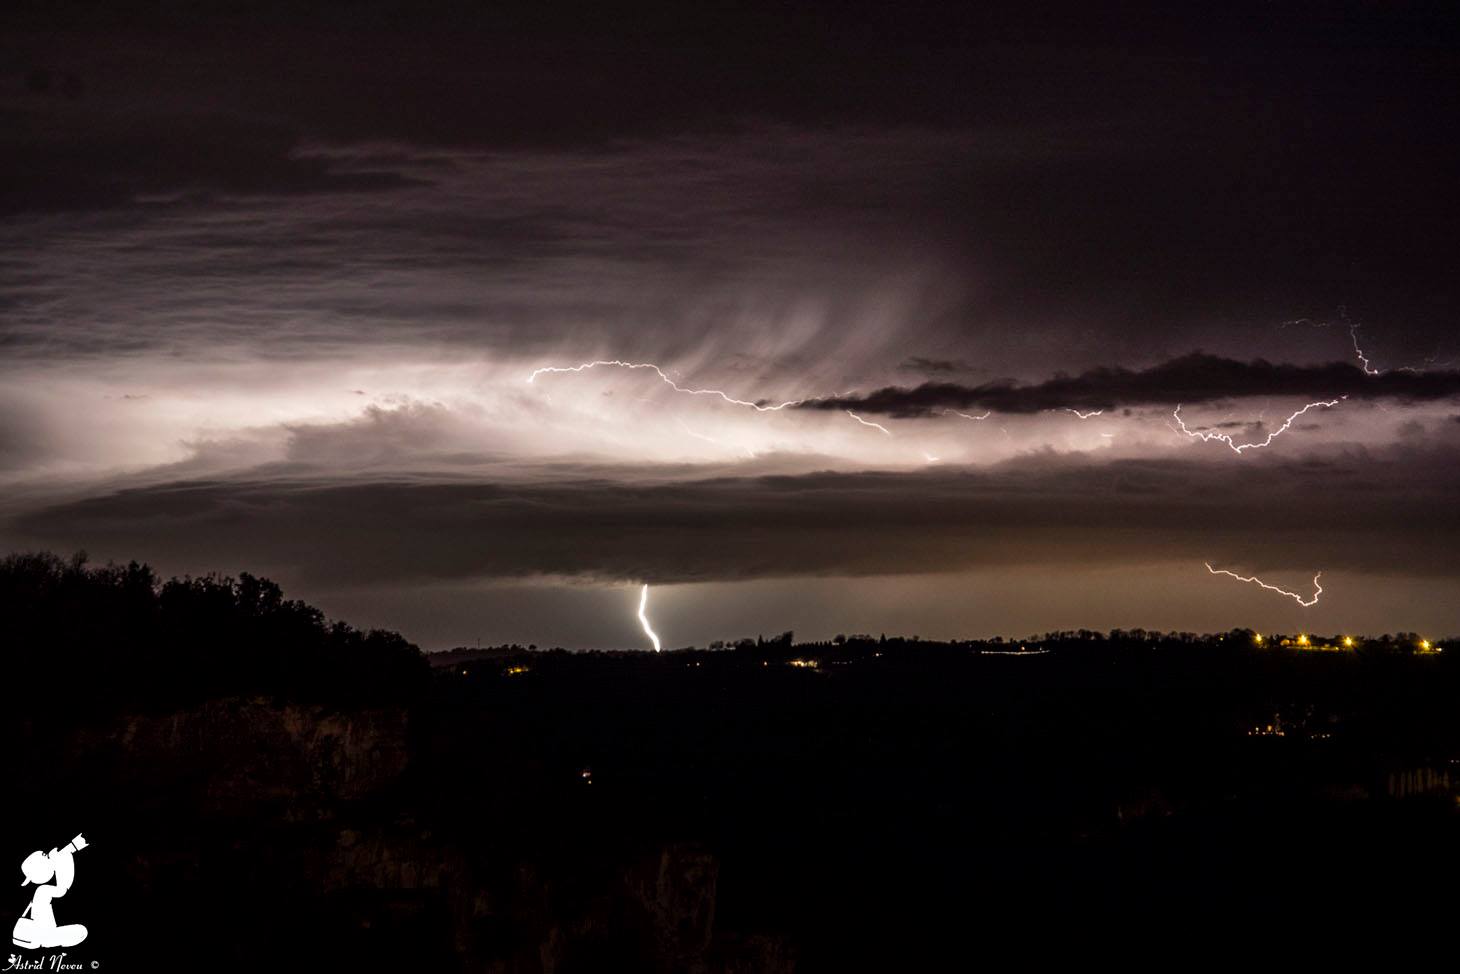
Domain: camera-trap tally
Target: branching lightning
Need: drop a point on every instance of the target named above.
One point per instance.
(762, 406)
(1305, 603)
(644, 620)
(1207, 436)
(765, 406)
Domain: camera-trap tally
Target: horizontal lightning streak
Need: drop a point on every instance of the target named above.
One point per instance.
(875, 426)
(617, 364)
(1305, 603)
(1207, 437)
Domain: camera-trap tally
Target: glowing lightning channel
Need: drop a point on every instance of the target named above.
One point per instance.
(644, 620)
(1093, 412)
(966, 416)
(615, 363)
(1353, 333)
(875, 426)
(1305, 603)
(1207, 437)
(1364, 362)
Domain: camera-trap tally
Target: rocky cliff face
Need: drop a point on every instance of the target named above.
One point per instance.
(248, 757)
(266, 829)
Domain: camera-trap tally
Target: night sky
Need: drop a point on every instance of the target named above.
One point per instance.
(921, 299)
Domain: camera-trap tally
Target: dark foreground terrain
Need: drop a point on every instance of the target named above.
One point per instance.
(264, 791)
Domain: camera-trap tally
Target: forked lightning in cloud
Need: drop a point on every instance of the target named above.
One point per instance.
(615, 363)
(644, 619)
(1305, 603)
(1208, 437)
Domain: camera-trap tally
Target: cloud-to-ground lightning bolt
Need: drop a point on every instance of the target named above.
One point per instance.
(875, 426)
(1305, 603)
(644, 620)
(763, 407)
(1207, 437)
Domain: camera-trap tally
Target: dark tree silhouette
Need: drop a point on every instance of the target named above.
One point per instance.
(110, 628)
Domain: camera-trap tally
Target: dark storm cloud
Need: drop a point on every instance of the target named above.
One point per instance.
(67, 156)
(667, 248)
(1370, 513)
(99, 113)
(1134, 177)
(1190, 379)
(938, 366)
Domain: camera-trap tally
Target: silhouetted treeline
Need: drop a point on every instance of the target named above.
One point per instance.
(117, 630)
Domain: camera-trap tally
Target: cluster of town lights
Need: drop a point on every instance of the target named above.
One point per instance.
(1348, 642)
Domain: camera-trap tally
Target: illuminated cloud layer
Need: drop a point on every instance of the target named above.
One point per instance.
(882, 310)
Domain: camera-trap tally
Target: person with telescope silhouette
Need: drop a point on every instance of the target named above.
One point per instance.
(37, 924)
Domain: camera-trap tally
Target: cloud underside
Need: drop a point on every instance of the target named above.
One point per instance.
(1391, 515)
(1189, 379)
